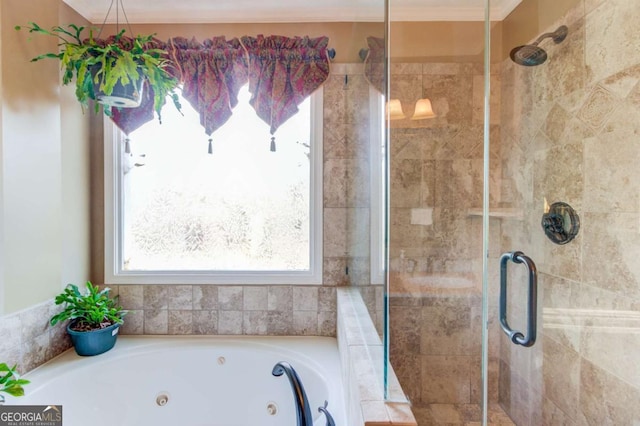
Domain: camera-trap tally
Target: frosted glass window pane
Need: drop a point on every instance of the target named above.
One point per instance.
(243, 208)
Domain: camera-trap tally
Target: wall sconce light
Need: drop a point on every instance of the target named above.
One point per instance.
(394, 110)
(423, 110)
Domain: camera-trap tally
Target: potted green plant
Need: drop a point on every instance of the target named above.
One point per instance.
(100, 67)
(94, 316)
(10, 382)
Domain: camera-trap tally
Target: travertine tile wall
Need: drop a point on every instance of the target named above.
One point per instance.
(27, 340)
(228, 310)
(437, 165)
(347, 178)
(361, 353)
(570, 133)
(347, 193)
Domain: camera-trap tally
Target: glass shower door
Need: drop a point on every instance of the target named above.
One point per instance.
(562, 191)
(435, 148)
(568, 136)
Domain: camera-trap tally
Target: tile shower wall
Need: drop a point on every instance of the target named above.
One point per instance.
(436, 168)
(570, 133)
(435, 240)
(257, 310)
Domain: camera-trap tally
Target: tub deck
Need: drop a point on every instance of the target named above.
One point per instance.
(190, 380)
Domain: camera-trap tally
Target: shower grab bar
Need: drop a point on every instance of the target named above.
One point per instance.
(515, 336)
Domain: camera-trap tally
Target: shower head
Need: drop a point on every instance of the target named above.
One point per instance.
(530, 55)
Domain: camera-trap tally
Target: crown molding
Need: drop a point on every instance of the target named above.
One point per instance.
(498, 13)
(137, 14)
(290, 15)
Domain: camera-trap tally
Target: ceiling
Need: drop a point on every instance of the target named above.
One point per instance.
(234, 11)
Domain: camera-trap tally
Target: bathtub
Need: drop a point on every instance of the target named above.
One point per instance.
(190, 381)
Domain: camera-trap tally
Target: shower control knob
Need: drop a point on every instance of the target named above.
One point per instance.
(561, 223)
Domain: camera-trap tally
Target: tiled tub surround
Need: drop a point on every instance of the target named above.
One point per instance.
(358, 341)
(570, 133)
(229, 310)
(361, 358)
(347, 184)
(26, 339)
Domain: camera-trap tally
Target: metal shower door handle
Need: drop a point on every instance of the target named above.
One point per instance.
(515, 336)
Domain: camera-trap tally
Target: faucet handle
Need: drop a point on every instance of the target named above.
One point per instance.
(324, 410)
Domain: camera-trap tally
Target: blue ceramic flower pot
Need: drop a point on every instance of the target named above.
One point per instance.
(95, 342)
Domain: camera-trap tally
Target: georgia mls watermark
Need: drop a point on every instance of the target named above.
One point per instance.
(30, 415)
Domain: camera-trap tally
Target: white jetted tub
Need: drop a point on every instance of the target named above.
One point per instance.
(190, 381)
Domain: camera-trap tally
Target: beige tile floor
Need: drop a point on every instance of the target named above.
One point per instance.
(459, 415)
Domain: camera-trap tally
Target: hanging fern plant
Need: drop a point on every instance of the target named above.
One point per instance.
(100, 65)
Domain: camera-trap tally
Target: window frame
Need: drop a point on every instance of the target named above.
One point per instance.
(377, 183)
(113, 218)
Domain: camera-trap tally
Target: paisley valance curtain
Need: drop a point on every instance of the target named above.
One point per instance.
(374, 63)
(212, 74)
(282, 72)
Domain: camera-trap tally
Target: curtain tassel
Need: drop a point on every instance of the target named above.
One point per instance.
(273, 144)
(210, 146)
(127, 146)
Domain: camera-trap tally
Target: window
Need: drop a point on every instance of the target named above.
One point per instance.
(176, 214)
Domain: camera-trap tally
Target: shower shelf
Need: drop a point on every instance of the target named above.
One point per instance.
(506, 213)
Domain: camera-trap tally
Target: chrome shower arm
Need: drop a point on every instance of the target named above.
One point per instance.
(558, 35)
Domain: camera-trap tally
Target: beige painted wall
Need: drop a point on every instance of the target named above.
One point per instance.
(461, 42)
(44, 168)
(2, 262)
(464, 41)
(413, 41)
(530, 19)
(76, 176)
